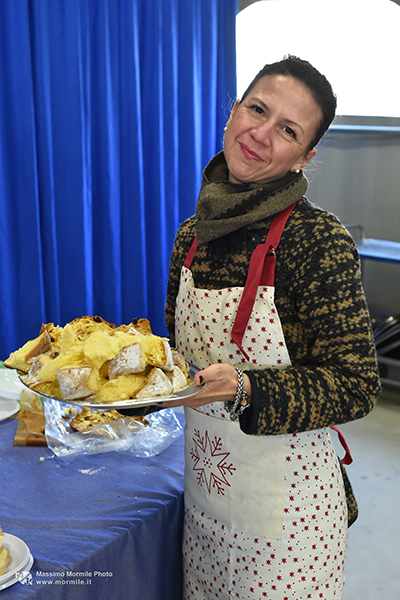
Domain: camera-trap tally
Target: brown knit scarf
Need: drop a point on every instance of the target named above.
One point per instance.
(223, 207)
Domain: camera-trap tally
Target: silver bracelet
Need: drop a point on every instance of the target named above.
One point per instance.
(240, 403)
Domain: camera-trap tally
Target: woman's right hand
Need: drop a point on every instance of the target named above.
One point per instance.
(221, 383)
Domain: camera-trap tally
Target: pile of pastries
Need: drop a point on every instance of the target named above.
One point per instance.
(90, 358)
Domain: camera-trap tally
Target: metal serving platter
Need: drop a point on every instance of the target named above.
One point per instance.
(188, 392)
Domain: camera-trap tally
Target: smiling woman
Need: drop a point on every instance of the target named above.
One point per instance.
(264, 296)
(269, 132)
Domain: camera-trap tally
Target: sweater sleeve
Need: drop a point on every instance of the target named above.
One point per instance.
(334, 376)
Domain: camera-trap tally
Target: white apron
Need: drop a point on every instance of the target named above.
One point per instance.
(265, 516)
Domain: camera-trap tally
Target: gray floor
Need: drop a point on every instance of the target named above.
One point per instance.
(373, 557)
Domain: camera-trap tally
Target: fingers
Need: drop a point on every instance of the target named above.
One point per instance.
(214, 373)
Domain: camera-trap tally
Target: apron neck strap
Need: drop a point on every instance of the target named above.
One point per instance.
(190, 254)
(261, 272)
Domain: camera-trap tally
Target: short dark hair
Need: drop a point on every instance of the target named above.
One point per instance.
(313, 80)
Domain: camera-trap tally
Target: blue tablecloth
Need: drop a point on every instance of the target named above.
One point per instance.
(113, 522)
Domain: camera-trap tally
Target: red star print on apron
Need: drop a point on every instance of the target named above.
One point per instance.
(265, 516)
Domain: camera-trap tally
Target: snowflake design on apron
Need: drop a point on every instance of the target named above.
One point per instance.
(211, 463)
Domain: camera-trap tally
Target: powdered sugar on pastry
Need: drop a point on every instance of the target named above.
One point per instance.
(159, 385)
(129, 359)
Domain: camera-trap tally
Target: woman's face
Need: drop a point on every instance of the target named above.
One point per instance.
(268, 134)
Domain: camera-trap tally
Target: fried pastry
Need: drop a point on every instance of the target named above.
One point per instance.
(130, 359)
(78, 382)
(22, 359)
(157, 384)
(85, 325)
(124, 387)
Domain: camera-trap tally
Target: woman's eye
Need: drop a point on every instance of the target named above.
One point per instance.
(289, 131)
(257, 109)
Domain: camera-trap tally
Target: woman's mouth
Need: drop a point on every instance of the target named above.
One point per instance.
(249, 154)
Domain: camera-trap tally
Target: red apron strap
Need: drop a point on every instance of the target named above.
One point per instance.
(348, 459)
(263, 256)
(190, 254)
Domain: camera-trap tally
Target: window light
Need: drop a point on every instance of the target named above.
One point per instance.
(353, 42)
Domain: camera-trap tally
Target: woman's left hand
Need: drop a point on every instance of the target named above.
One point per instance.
(221, 384)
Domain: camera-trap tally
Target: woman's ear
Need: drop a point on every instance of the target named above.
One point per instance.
(233, 111)
(305, 160)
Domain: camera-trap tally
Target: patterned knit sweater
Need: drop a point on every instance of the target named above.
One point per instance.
(320, 301)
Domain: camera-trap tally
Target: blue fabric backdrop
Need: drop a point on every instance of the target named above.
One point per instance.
(109, 110)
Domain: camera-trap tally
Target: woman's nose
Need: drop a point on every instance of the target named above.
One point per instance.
(262, 133)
